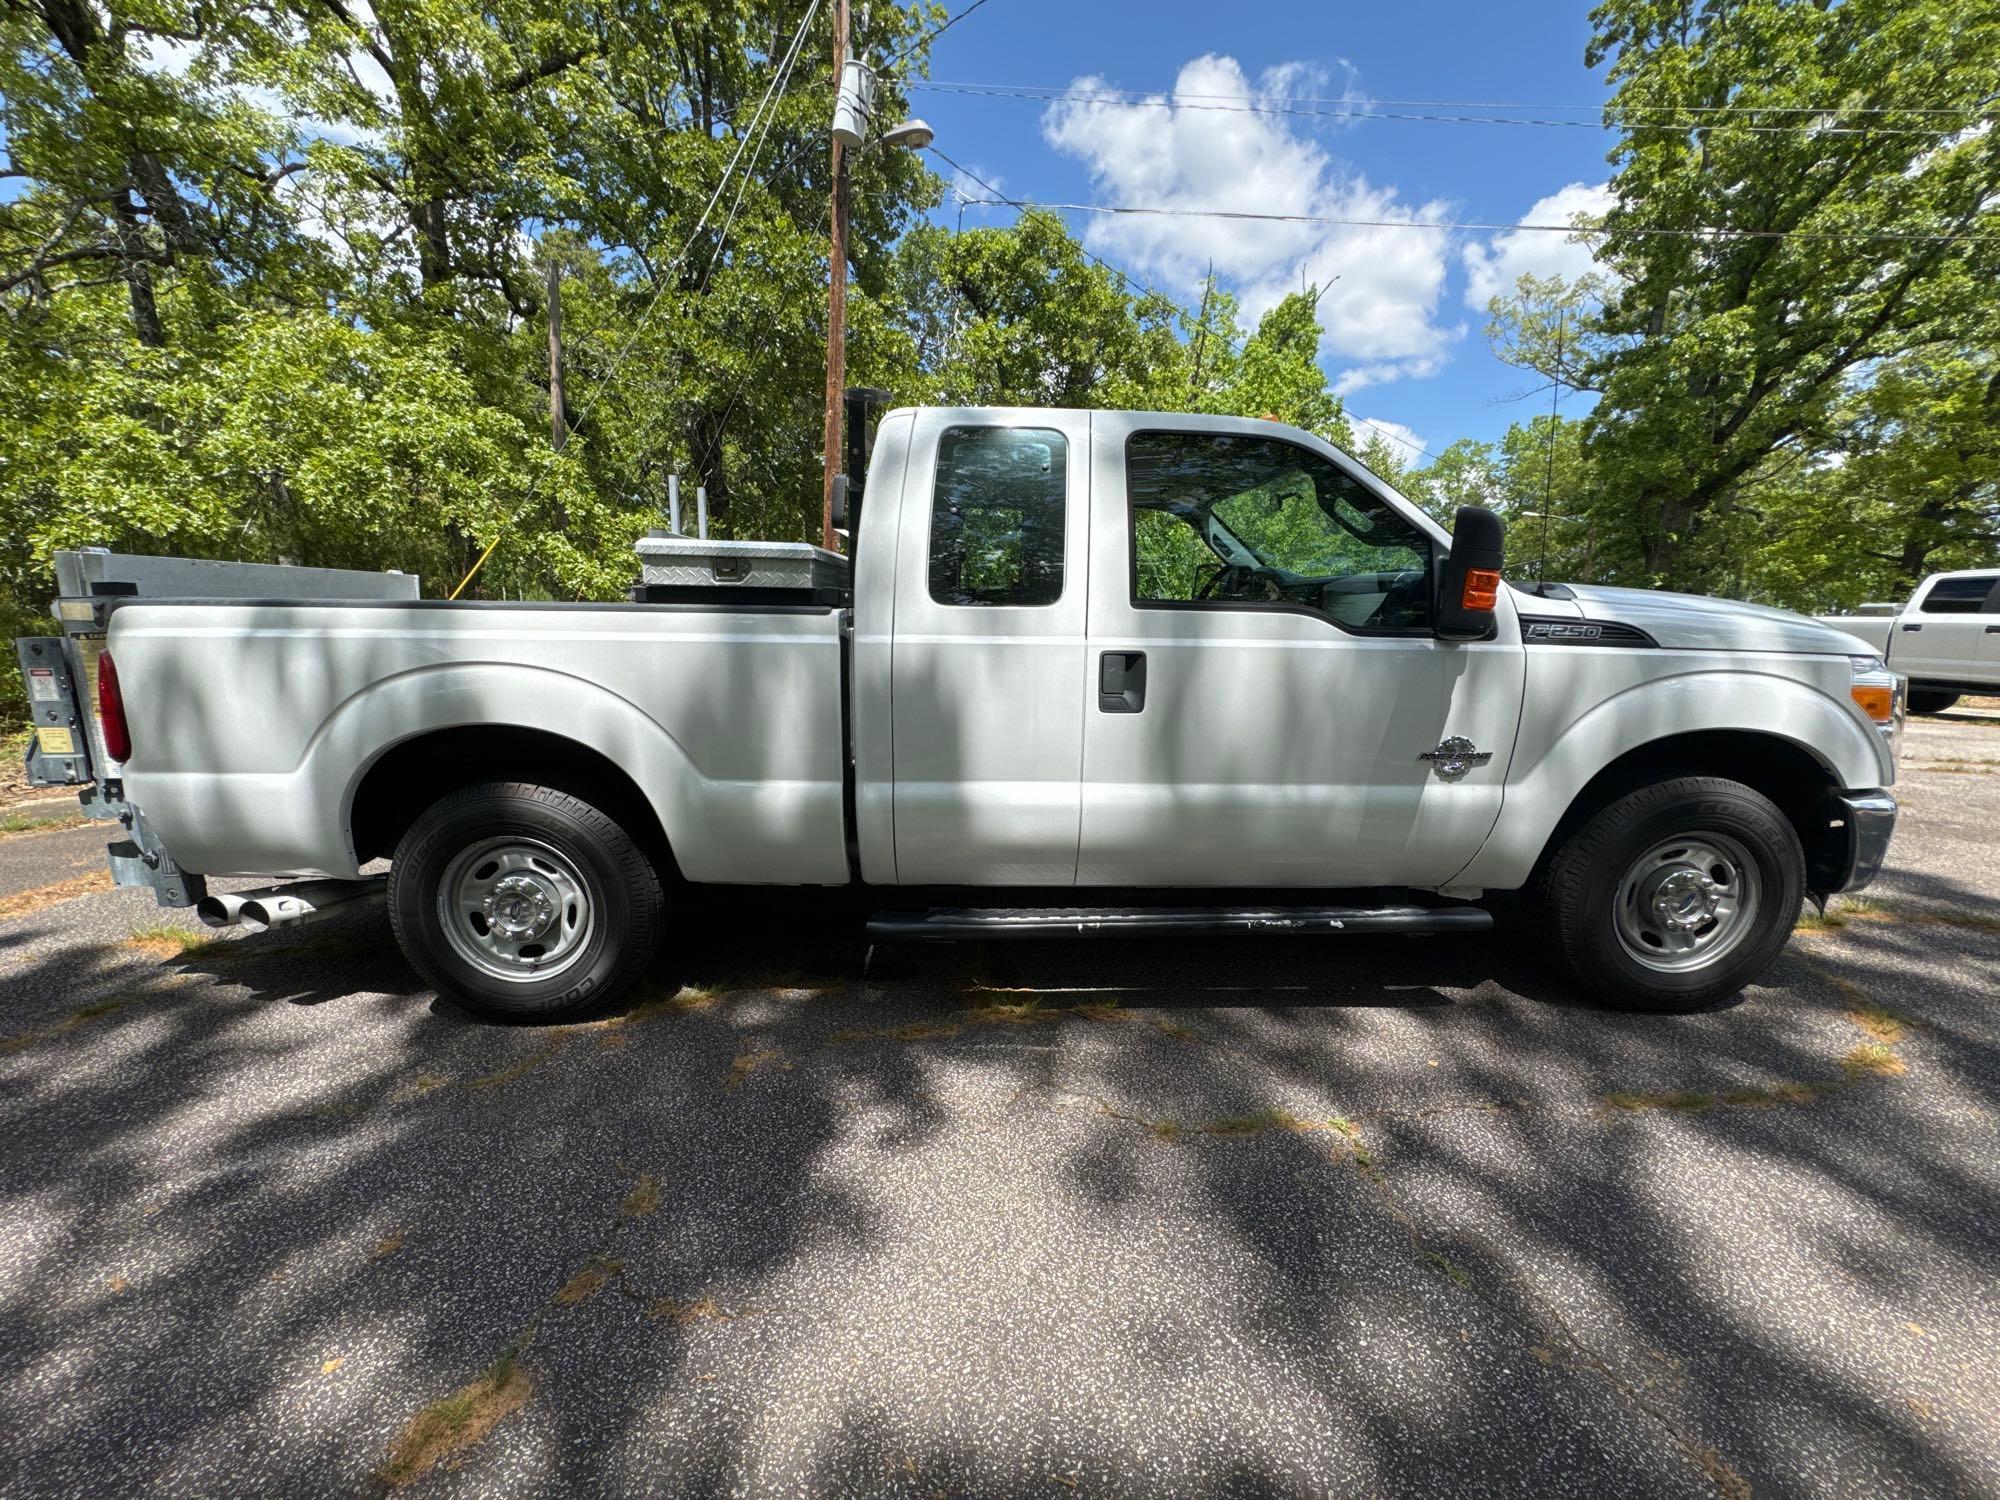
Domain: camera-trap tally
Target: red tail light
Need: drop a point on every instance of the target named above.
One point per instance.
(111, 711)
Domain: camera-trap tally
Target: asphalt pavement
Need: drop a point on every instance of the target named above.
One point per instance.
(1262, 1217)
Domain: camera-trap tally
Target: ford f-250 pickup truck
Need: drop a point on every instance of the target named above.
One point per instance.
(1096, 672)
(1946, 639)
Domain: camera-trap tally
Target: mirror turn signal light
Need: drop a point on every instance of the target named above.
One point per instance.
(1482, 588)
(1877, 700)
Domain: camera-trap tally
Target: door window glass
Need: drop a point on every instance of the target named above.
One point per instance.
(1957, 596)
(1226, 520)
(997, 516)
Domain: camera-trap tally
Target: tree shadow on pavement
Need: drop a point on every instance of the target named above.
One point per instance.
(1263, 1217)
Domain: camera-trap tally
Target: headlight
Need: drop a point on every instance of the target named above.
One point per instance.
(1879, 694)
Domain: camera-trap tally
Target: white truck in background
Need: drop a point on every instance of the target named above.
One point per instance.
(1093, 673)
(1945, 638)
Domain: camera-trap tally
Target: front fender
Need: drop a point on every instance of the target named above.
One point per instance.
(1561, 749)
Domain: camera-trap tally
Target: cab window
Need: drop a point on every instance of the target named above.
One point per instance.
(1230, 521)
(997, 516)
(1958, 596)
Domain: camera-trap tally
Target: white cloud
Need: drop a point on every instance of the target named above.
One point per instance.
(1381, 286)
(1403, 441)
(1493, 269)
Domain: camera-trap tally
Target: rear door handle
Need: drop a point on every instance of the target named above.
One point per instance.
(1913, 627)
(1993, 629)
(1121, 682)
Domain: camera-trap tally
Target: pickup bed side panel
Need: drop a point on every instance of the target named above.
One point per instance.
(253, 725)
(1586, 707)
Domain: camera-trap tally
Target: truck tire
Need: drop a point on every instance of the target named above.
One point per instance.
(524, 903)
(1931, 700)
(1676, 895)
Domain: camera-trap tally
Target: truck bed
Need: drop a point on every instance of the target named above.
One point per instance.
(253, 723)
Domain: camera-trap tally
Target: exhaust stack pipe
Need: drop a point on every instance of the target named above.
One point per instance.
(293, 905)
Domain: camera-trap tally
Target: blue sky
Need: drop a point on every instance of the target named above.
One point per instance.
(1406, 341)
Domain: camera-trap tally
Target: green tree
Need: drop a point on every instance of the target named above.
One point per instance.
(1798, 197)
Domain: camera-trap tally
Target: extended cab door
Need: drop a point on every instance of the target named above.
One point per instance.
(1264, 680)
(1942, 635)
(987, 666)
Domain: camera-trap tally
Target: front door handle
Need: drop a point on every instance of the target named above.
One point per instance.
(1993, 629)
(1913, 627)
(1121, 682)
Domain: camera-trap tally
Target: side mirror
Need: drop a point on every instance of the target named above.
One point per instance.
(1469, 585)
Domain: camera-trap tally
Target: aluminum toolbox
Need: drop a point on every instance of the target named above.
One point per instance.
(695, 562)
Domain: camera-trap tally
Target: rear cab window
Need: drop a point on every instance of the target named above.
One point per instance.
(998, 512)
(1961, 596)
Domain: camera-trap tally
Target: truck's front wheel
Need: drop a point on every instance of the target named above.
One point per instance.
(1677, 894)
(523, 902)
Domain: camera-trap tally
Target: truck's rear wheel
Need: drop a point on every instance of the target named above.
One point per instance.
(1675, 895)
(1931, 700)
(523, 902)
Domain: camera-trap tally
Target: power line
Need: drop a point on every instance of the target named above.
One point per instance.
(1699, 231)
(661, 282)
(1129, 280)
(932, 35)
(1977, 108)
(1266, 105)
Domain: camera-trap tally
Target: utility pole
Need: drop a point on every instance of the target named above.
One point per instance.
(1549, 473)
(836, 297)
(558, 427)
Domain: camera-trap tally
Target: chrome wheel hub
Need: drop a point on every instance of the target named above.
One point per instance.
(1686, 902)
(516, 908)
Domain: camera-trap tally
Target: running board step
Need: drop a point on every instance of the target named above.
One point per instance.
(1090, 921)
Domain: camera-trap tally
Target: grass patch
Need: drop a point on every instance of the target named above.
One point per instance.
(1686, 1100)
(1237, 1126)
(83, 1015)
(1881, 1023)
(1873, 1060)
(27, 823)
(745, 1063)
(700, 1310)
(457, 1422)
(1106, 1012)
(521, 1069)
(1448, 1268)
(25, 903)
(657, 1002)
(169, 942)
(1016, 1013)
(643, 1200)
(588, 1282)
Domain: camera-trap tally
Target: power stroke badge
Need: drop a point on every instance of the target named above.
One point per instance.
(1454, 757)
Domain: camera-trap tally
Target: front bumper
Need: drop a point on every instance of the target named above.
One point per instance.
(1870, 818)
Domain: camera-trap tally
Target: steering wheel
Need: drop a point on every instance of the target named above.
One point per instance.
(1242, 578)
(1401, 597)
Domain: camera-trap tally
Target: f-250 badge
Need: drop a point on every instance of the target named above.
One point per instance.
(1454, 757)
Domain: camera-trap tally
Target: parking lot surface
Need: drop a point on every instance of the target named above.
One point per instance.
(1254, 1217)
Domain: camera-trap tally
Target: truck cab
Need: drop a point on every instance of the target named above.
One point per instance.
(1945, 639)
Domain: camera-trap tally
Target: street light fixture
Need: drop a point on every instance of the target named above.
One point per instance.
(911, 135)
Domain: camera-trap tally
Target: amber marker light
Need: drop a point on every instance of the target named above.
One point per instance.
(1482, 588)
(1877, 700)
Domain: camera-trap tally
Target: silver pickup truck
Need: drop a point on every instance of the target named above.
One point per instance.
(1093, 672)
(1945, 639)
